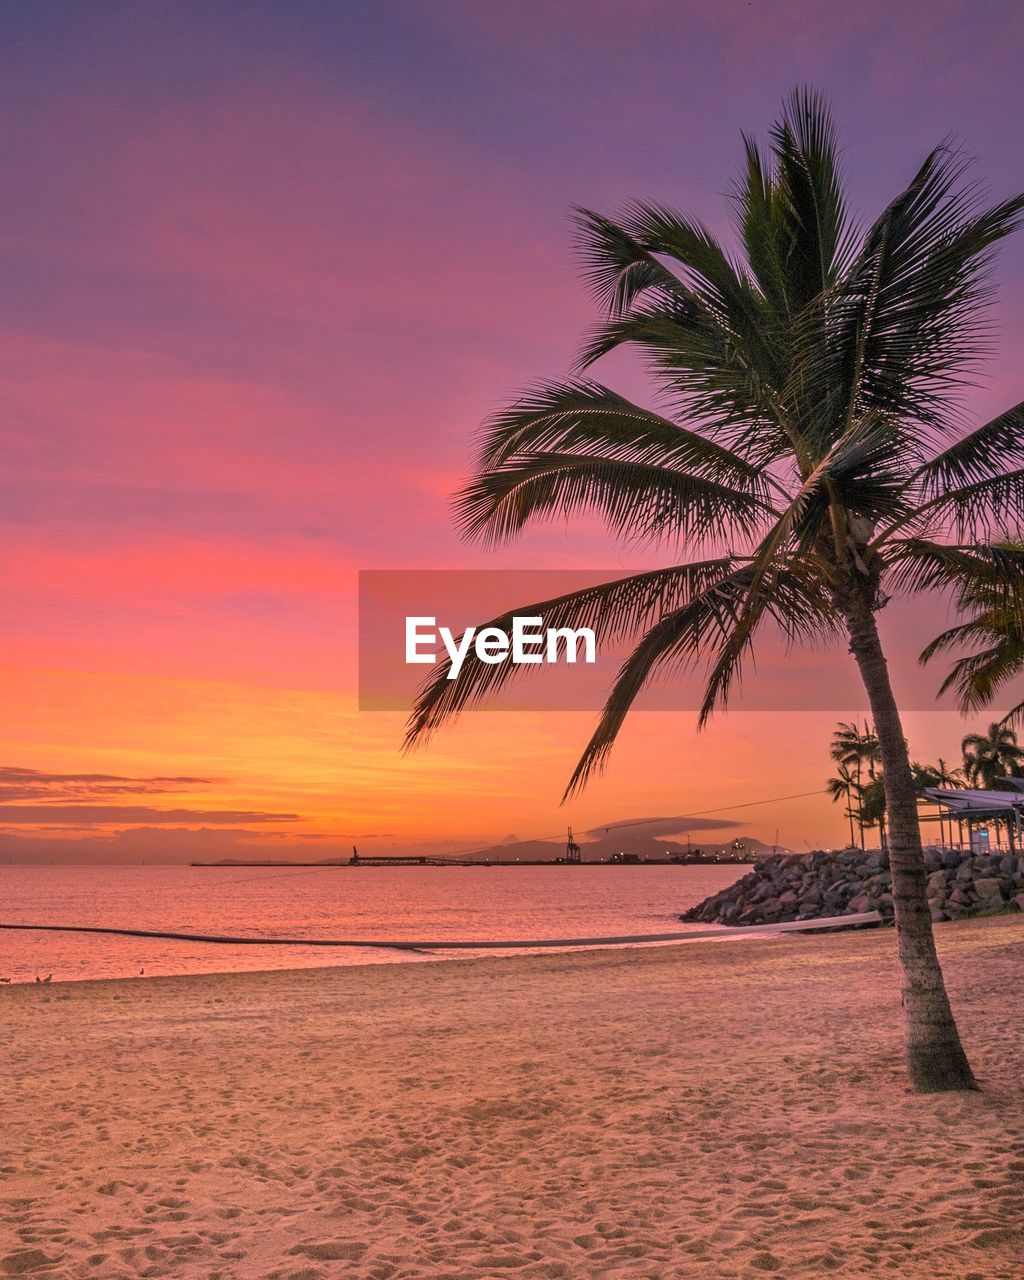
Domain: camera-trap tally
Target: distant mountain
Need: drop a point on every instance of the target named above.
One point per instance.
(622, 841)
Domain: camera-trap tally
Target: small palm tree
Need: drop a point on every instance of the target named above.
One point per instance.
(807, 457)
(857, 749)
(872, 807)
(947, 778)
(990, 758)
(844, 786)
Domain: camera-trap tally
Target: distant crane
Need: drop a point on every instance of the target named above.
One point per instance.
(572, 849)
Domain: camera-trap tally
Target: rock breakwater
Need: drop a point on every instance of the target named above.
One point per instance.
(811, 886)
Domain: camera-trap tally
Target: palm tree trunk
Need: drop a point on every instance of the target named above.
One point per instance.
(860, 806)
(935, 1057)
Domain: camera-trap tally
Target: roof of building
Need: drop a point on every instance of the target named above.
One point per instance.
(977, 802)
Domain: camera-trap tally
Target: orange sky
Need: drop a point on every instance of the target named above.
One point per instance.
(265, 270)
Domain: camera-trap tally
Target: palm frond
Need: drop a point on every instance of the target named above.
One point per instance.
(621, 608)
(920, 564)
(716, 628)
(902, 328)
(706, 268)
(988, 508)
(571, 416)
(988, 582)
(982, 454)
(814, 220)
(640, 501)
(616, 267)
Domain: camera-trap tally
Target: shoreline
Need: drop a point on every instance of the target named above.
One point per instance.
(426, 949)
(718, 1111)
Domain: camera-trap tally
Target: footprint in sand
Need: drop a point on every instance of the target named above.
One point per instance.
(26, 1261)
(333, 1250)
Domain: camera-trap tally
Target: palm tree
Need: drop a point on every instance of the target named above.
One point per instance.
(872, 806)
(993, 629)
(843, 787)
(947, 778)
(855, 748)
(806, 456)
(990, 758)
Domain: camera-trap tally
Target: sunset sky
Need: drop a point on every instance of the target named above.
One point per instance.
(266, 267)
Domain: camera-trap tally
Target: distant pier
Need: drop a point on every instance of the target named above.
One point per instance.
(402, 860)
(737, 855)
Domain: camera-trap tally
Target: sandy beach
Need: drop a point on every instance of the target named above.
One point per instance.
(712, 1110)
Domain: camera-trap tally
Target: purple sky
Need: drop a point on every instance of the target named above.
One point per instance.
(266, 266)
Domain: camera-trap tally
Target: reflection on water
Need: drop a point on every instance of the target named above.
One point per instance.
(474, 903)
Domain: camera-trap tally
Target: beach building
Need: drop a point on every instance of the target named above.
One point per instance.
(982, 818)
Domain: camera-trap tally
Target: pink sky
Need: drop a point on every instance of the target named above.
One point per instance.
(267, 267)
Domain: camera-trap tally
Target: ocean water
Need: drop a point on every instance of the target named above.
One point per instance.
(372, 903)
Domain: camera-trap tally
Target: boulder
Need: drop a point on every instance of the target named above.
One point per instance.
(936, 883)
(988, 888)
(808, 886)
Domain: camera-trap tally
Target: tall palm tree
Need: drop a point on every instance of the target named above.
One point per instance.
(990, 758)
(844, 786)
(806, 456)
(857, 748)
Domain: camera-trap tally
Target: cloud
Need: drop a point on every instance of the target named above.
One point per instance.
(79, 815)
(32, 784)
(147, 844)
(75, 800)
(680, 824)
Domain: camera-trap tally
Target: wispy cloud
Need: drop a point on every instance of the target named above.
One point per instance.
(34, 784)
(77, 800)
(84, 815)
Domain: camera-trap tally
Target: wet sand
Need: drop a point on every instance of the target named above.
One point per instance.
(713, 1110)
